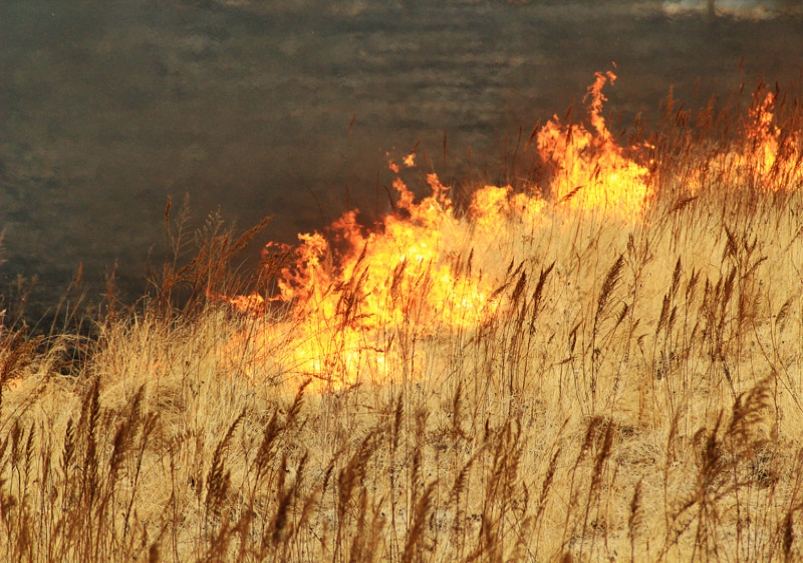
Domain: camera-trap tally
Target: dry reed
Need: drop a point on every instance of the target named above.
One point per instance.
(637, 394)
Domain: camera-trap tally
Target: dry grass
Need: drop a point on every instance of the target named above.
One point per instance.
(637, 397)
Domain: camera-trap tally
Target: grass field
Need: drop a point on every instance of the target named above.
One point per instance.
(600, 362)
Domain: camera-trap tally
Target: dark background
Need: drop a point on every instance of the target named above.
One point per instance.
(109, 106)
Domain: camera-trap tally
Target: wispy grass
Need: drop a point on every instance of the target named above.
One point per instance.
(636, 395)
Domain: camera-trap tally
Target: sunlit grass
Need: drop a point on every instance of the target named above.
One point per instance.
(636, 393)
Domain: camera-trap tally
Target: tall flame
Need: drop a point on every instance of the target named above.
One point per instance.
(768, 160)
(592, 171)
(359, 298)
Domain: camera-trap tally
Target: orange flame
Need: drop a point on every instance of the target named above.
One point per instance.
(356, 296)
(771, 157)
(592, 172)
(350, 301)
(768, 159)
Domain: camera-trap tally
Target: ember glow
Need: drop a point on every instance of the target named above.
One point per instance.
(360, 299)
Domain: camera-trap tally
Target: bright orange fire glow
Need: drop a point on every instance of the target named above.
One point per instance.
(360, 298)
(768, 160)
(592, 171)
(767, 156)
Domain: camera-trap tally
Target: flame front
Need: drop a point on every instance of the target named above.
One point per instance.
(360, 299)
(592, 171)
(351, 303)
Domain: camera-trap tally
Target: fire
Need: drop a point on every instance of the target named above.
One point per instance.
(350, 303)
(358, 297)
(592, 172)
(768, 155)
(768, 159)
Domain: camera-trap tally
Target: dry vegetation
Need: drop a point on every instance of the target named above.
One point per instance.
(636, 396)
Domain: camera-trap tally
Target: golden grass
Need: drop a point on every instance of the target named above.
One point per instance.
(637, 397)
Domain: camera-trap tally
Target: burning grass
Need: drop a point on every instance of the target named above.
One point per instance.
(603, 362)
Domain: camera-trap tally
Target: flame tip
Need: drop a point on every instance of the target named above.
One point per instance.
(355, 284)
